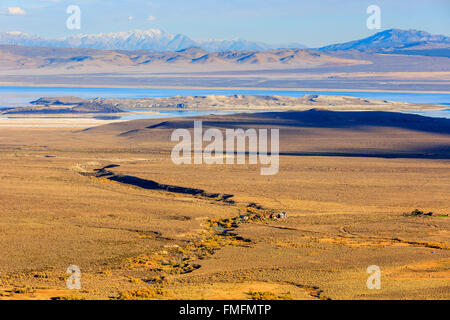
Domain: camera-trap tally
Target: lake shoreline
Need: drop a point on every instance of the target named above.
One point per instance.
(49, 85)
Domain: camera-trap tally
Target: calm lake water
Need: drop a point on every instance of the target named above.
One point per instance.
(14, 96)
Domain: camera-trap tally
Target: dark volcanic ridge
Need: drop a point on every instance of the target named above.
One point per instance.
(335, 133)
(66, 105)
(313, 118)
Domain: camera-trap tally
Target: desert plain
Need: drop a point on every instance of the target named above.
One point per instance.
(108, 199)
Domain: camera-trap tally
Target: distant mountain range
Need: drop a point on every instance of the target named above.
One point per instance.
(19, 57)
(396, 41)
(153, 40)
(156, 46)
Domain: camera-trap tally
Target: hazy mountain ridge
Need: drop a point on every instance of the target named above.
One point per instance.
(394, 39)
(152, 39)
(401, 41)
(398, 48)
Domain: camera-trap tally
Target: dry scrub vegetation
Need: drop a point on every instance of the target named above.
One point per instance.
(344, 213)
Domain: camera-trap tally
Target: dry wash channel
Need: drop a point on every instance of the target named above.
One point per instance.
(216, 234)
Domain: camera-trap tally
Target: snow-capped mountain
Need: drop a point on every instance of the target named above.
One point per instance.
(153, 39)
(24, 39)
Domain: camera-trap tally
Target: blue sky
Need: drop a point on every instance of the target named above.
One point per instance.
(313, 23)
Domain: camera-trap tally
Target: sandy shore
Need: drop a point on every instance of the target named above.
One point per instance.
(51, 122)
(69, 120)
(23, 84)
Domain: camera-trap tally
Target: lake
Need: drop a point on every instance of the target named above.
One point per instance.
(13, 96)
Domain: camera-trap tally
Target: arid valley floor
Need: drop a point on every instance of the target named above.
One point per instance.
(69, 197)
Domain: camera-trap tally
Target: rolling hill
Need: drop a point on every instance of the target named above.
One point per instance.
(18, 57)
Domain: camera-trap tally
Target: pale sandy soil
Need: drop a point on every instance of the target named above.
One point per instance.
(65, 120)
(50, 122)
(185, 86)
(269, 103)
